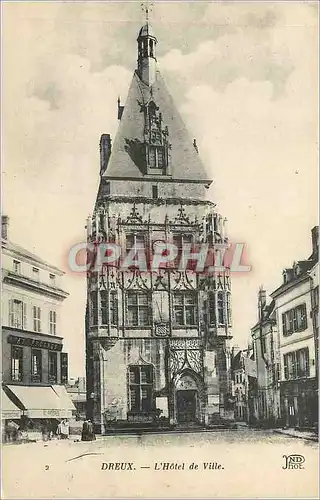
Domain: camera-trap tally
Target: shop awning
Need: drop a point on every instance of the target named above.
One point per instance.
(8, 408)
(66, 405)
(39, 402)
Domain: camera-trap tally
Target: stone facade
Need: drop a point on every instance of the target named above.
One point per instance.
(295, 305)
(157, 342)
(266, 397)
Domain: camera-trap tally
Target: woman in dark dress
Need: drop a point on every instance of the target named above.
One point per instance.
(91, 433)
(85, 431)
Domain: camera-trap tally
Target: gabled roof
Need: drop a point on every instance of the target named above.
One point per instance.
(126, 160)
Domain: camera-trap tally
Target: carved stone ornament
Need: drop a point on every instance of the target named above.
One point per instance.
(134, 217)
(108, 343)
(182, 280)
(182, 217)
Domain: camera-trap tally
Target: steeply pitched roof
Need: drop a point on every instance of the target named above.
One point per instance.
(126, 161)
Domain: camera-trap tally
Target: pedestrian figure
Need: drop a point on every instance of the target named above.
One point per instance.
(85, 431)
(92, 435)
(65, 429)
(59, 430)
(44, 431)
(11, 431)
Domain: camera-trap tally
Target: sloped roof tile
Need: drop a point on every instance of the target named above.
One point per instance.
(126, 160)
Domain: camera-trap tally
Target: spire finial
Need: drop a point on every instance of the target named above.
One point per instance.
(146, 7)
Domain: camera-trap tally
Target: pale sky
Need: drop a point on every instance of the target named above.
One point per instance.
(244, 78)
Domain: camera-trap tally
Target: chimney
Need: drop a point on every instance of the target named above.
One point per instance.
(105, 152)
(315, 240)
(4, 226)
(262, 298)
(120, 109)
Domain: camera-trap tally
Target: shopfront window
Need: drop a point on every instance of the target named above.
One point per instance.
(53, 365)
(16, 364)
(36, 365)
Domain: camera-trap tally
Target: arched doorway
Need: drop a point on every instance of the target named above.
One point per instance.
(187, 404)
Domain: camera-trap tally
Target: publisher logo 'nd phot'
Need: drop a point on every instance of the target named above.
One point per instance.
(293, 462)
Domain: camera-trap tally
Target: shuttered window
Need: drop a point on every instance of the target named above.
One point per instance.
(52, 322)
(36, 319)
(17, 314)
(294, 320)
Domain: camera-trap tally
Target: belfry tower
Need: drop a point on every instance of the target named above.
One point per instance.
(157, 342)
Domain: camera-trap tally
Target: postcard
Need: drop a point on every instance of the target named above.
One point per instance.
(160, 248)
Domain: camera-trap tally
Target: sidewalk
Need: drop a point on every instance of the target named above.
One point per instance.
(308, 435)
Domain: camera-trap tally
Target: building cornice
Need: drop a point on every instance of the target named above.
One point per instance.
(35, 286)
(152, 201)
(20, 333)
(158, 178)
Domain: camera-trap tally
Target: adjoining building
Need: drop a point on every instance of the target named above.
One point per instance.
(34, 366)
(239, 386)
(78, 395)
(266, 397)
(296, 305)
(157, 343)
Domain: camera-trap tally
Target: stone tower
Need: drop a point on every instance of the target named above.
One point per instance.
(156, 342)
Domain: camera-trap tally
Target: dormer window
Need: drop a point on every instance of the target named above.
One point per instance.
(288, 275)
(35, 273)
(17, 267)
(156, 139)
(297, 270)
(156, 157)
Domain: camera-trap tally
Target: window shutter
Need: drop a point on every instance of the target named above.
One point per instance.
(11, 314)
(294, 364)
(304, 316)
(33, 318)
(290, 314)
(307, 365)
(24, 315)
(284, 324)
(285, 363)
(295, 320)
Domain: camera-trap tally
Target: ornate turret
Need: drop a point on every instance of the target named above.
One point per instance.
(147, 61)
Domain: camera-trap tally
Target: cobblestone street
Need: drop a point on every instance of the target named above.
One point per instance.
(223, 463)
